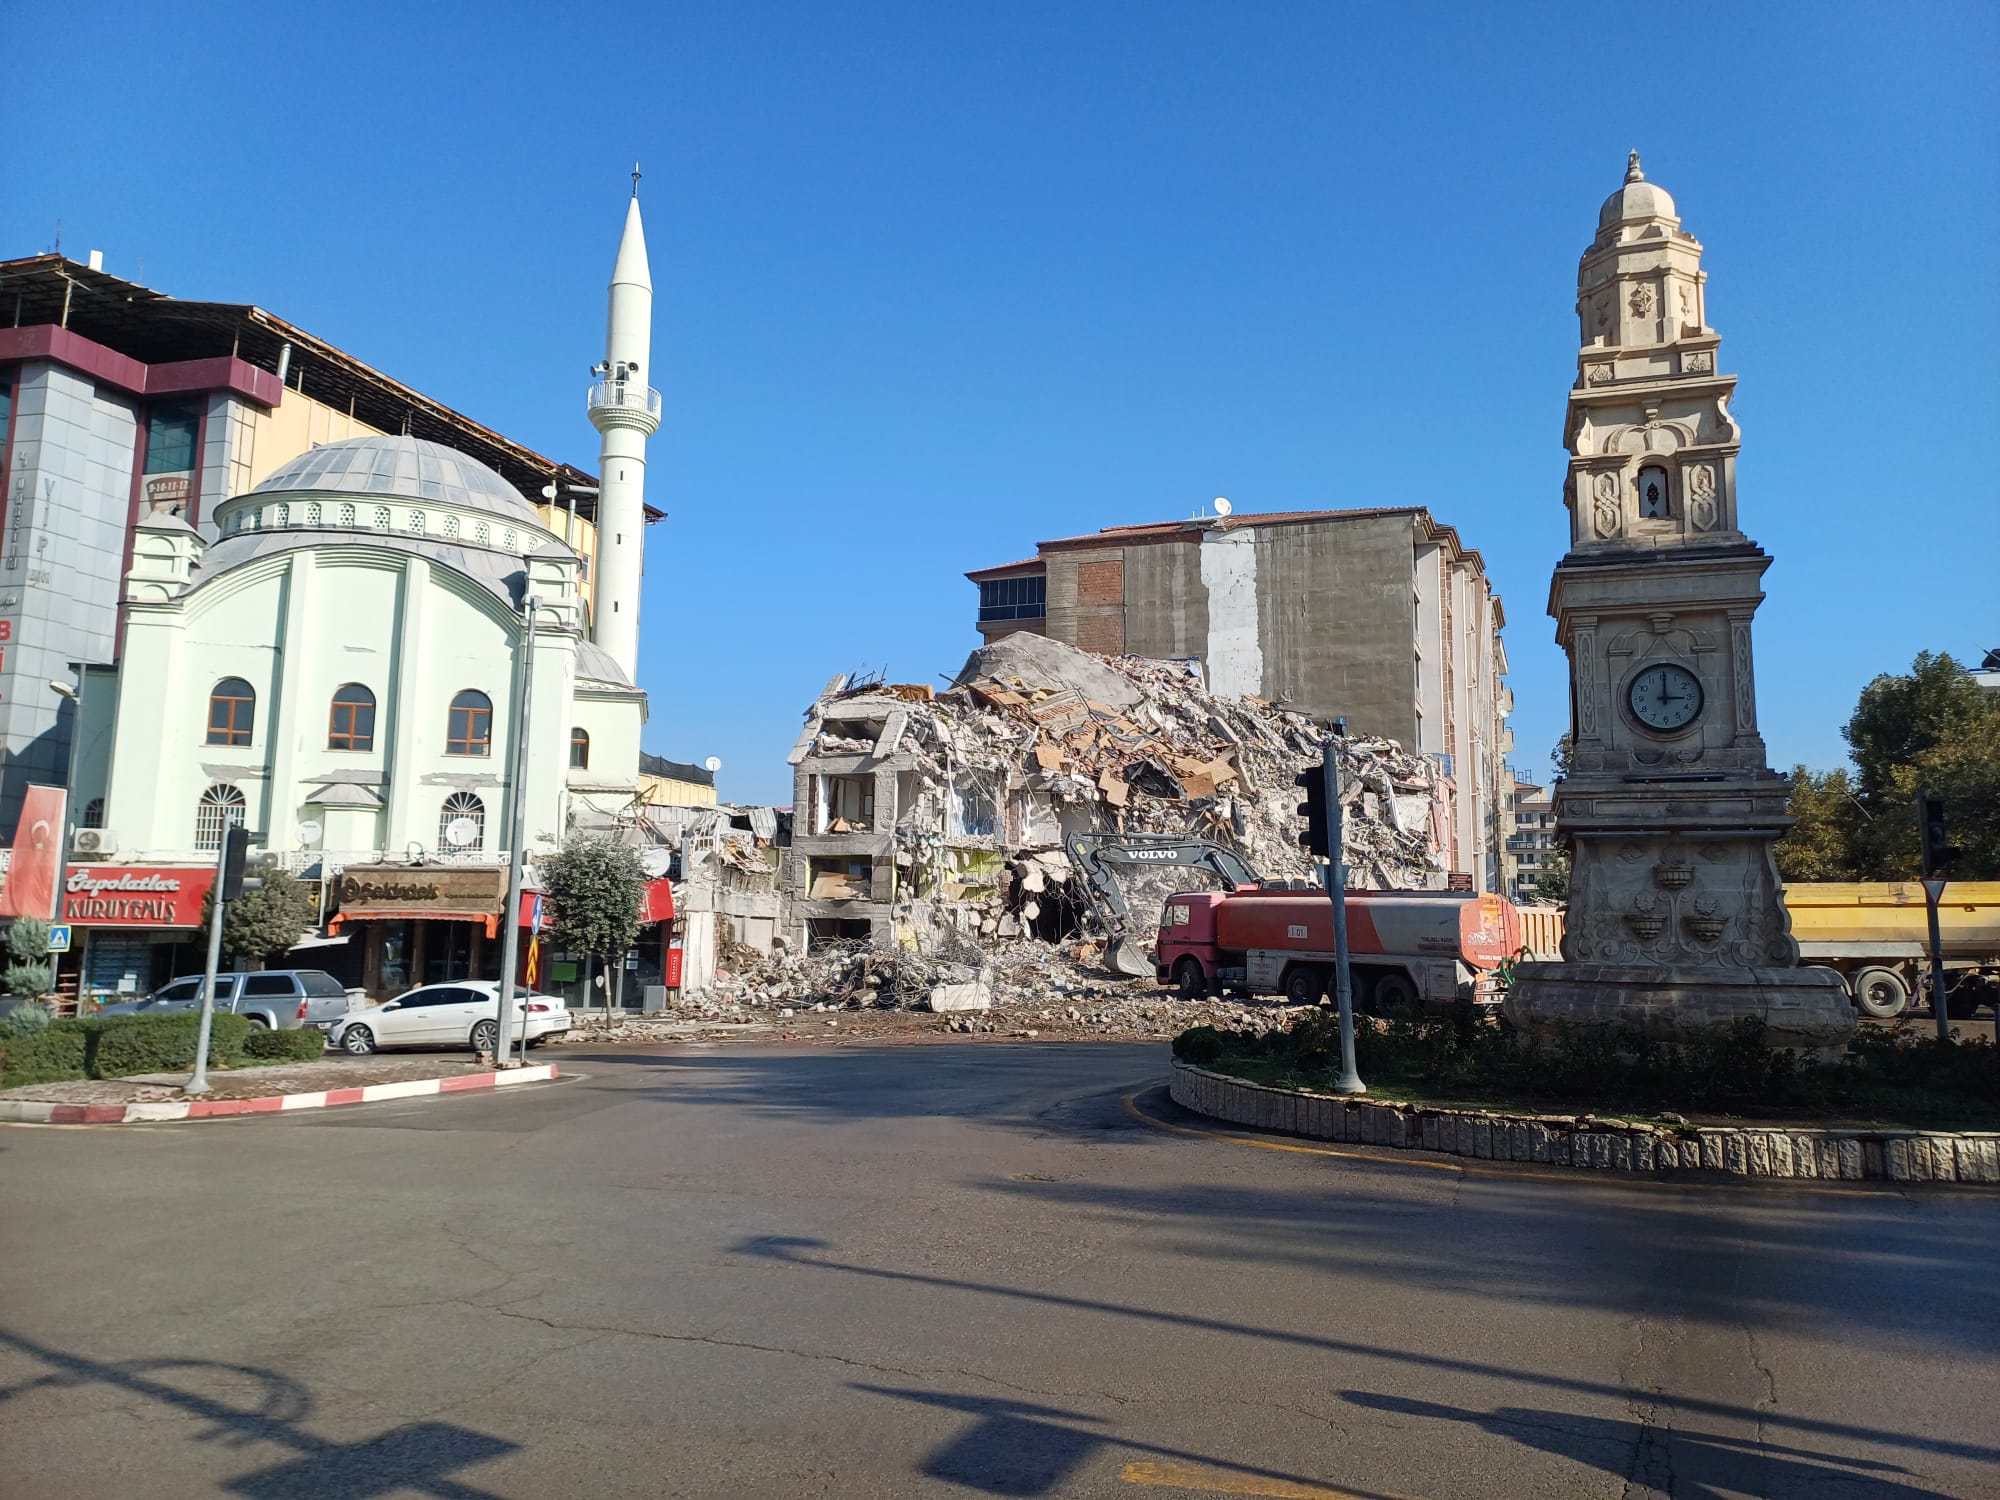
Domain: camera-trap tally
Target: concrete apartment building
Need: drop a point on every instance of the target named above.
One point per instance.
(1531, 841)
(1380, 615)
(117, 403)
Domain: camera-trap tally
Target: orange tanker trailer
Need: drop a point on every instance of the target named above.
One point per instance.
(1404, 947)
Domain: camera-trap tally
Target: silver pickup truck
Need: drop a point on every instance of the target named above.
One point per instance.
(282, 999)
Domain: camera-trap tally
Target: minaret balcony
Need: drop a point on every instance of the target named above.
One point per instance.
(623, 403)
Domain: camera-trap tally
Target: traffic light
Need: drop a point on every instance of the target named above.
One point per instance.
(1937, 849)
(1317, 836)
(235, 854)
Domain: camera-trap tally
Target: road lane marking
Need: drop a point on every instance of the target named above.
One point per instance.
(1880, 1192)
(1183, 1476)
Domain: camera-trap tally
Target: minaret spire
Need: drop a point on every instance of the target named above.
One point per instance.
(625, 409)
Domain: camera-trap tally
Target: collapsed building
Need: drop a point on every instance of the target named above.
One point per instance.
(934, 822)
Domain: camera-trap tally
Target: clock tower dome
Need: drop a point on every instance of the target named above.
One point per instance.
(1675, 921)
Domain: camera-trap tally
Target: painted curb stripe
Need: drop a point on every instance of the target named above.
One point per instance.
(39, 1112)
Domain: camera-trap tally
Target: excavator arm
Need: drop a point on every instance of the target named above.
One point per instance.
(1101, 857)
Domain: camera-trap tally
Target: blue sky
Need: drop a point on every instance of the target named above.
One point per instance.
(936, 281)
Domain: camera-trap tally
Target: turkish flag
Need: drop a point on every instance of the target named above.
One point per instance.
(38, 847)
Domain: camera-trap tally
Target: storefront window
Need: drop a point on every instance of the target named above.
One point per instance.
(448, 951)
(393, 964)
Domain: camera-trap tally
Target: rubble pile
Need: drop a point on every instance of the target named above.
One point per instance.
(1032, 989)
(1036, 740)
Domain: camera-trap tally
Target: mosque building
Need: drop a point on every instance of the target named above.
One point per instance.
(335, 658)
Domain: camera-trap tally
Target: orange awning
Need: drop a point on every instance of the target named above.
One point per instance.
(415, 914)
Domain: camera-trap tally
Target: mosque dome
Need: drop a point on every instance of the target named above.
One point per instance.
(1637, 199)
(401, 468)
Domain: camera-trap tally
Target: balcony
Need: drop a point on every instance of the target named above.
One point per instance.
(624, 395)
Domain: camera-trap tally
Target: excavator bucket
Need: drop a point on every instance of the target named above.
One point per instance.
(1126, 957)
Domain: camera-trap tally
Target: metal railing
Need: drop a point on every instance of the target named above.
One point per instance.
(628, 394)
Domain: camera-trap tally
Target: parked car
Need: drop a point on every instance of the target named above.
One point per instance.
(465, 1013)
(282, 999)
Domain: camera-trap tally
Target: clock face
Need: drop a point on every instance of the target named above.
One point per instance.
(1665, 697)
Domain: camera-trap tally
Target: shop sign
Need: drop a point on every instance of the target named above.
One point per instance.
(136, 895)
(411, 890)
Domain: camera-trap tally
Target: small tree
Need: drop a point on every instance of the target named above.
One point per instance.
(264, 921)
(597, 888)
(1552, 883)
(30, 971)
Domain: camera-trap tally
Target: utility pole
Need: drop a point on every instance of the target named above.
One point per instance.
(1934, 843)
(517, 834)
(1323, 837)
(230, 858)
(1336, 878)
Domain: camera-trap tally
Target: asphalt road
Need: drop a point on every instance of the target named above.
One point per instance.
(950, 1270)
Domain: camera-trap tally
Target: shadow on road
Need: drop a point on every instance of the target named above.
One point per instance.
(1873, 1261)
(798, 1252)
(420, 1457)
(1687, 1465)
(1017, 1448)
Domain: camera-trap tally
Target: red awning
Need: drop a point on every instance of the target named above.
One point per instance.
(658, 906)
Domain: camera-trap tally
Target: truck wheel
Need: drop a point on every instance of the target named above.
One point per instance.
(1189, 982)
(1304, 985)
(1881, 993)
(1393, 991)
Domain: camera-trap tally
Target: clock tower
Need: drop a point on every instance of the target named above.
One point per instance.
(1675, 922)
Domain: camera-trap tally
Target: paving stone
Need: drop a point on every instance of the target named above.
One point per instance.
(1850, 1162)
(1896, 1159)
(1779, 1151)
(1645, 1149)
(1944, 1158)
(1620, 1147)
(1735, 1153)
(1711, 1149)
(1562, 1147)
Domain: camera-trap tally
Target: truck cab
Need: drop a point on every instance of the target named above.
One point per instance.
(1185, 955)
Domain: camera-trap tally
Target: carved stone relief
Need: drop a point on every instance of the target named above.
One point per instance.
(1597, 374)
(1701, 497)
(1746, 688)
(1583, 653)
(1641, 301)
(1604, 505)
(1698, 362)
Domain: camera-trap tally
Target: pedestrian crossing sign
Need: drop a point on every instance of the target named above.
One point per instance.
(59, 938)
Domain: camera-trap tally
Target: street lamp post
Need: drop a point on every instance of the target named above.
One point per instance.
(517, 833)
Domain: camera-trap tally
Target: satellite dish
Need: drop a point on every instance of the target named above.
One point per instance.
(461, 831)
(548, 491)
(309, 832)
(714, 763)
(1222, 506)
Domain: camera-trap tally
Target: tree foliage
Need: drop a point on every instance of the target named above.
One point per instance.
(1552, 882)
(1930, 729)
(597, 888)
(1900, 719)
(1822, 841)
(264, 921)
(29, 970)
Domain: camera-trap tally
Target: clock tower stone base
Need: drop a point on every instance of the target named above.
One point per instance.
(1676, 923)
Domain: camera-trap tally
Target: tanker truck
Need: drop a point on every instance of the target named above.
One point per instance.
(1427, 948)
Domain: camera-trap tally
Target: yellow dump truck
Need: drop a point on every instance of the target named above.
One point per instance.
(1876, 936)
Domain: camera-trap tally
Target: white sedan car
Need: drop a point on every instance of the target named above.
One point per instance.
(464, 1013)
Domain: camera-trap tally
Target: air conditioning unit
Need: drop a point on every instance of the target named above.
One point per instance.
(96, 841)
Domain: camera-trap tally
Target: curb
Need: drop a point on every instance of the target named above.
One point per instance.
(1588, 1143)
(35, 1112)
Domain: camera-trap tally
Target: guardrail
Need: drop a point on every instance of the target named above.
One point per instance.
(624, 393)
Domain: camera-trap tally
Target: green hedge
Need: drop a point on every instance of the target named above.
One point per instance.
(55, 1054)
(162, 1044)
(302, 1045)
